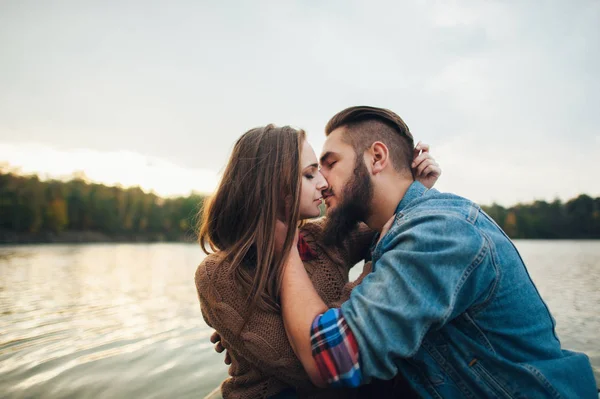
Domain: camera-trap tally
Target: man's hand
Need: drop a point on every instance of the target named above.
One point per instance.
(215, 338)
(425, 169)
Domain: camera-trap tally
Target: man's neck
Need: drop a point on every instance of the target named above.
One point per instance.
(387, 194)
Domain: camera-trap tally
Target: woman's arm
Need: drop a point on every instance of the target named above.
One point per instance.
(298, 317)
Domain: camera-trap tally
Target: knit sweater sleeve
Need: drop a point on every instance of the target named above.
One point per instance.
(358, 244)
(348, 287)
(261, 342)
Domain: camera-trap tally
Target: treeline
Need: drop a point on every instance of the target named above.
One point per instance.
(578, 218)
(41, 210)
(35, 208)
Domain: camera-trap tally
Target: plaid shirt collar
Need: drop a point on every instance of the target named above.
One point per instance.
(306, 252)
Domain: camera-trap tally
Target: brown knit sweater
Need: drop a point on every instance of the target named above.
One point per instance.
(262, 360)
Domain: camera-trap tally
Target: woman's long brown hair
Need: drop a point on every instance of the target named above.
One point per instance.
(260, 184)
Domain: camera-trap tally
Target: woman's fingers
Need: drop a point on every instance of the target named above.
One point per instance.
(423, 156)
(424, 147)
(219, 347)
(420, 171)
(425, 169)
(432, 169)
(422, 163)
(215, 337)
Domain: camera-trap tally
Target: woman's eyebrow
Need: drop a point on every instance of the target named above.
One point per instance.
(312, 166)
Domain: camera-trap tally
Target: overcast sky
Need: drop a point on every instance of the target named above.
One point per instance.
(155, 93)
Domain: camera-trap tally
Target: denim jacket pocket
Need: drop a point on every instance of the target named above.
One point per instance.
(545, 383)
(495, 387)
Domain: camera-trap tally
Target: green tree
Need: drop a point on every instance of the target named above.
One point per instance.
(30, 205)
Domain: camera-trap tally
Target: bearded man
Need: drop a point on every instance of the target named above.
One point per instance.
(449, 303)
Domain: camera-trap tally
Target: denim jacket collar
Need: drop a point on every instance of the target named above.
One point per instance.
(415, 190)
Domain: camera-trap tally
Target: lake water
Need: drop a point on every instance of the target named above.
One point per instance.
(123, 321)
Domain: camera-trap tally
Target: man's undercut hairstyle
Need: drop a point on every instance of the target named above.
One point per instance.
(365, 125)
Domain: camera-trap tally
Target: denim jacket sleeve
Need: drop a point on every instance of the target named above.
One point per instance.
(428, 269)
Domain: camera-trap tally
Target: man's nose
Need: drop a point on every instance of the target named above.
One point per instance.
(322, 183)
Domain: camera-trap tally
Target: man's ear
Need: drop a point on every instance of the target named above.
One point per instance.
(380, 157)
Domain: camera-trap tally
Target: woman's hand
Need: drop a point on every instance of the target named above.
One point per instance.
(215, 338)
(424, 167)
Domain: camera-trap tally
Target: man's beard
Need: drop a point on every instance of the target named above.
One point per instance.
(354, 206)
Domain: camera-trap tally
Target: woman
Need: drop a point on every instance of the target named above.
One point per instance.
(271, 175)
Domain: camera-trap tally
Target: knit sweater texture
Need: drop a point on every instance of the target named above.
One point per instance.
(262, 360)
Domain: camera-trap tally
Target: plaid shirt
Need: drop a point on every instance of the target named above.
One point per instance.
(335, 350)
(306, 252)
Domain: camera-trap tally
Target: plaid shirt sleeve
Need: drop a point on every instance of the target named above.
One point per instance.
(335, 350)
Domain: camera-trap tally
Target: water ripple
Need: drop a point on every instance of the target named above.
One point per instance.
(122, 321)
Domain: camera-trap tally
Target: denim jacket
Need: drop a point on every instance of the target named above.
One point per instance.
(451, 306)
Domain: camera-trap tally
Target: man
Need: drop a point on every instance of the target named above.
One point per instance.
(449, 303)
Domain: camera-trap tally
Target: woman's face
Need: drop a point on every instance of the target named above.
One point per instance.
(313, 183)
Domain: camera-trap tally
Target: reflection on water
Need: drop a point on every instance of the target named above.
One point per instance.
(122, 321)
(103, 321)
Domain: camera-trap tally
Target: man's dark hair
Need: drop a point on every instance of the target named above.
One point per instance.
(364, 125)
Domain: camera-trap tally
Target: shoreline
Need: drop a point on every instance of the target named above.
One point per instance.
(93, 237)
(90, 237)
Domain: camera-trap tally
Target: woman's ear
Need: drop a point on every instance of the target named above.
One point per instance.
(380, 157)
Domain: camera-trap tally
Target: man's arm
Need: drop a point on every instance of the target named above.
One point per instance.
(433, 268)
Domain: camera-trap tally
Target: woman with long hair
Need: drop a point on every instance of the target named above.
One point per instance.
(272, 175)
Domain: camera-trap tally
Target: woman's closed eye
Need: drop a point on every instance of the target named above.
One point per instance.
(309, 176)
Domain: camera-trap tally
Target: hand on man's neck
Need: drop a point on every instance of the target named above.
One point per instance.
(388, 191)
